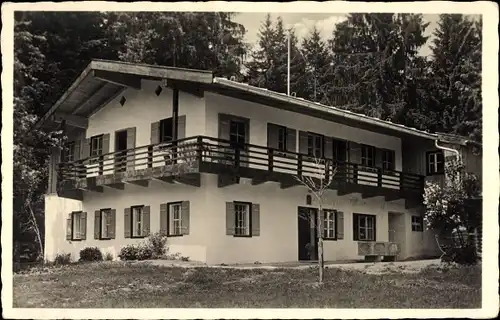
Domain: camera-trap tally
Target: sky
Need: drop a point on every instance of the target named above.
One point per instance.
(303, 23)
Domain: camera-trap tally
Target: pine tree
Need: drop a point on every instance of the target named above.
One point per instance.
(456, 72)
(318, 62)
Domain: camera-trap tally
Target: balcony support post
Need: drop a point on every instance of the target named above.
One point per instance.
(270, 155)
(379, 177)
(175, 122)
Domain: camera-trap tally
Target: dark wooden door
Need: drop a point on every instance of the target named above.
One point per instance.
(121, 151)
(308, 236)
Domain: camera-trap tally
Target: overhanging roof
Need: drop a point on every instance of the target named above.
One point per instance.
(102, 80)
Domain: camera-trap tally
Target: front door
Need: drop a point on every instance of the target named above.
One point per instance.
(121, 151)
(397, 231)
(308, 235)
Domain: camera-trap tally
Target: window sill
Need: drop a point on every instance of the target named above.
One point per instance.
(138, 237)
(105, 238)
(174, 235)
(330, 239)
(76, 240)
(365, 240)
(242, 236)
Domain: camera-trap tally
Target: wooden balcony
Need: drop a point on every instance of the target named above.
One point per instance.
(183, 160)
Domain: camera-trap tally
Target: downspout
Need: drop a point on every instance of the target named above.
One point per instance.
(448, 149)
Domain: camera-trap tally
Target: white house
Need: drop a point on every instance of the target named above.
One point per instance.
(212, 164)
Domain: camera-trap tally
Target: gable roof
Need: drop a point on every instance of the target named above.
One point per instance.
(102, 80)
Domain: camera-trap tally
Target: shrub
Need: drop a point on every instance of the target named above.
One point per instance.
(91, 254)
(144, 252)
(108, 256)
(157, 243)
(128, 252)
(62, 259)
(465, 255)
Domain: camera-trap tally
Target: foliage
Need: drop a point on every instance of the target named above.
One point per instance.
(108, 256)
(62, 259)
(139, 251)
(91, 254)
(157, 243)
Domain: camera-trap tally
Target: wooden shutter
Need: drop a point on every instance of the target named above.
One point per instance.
(164, 219)
(181, 127)
(155, 132)
(355, 227)
(328, 153)
(105, 143)
(255, 219)
(291, 140)
(272, 136)
(340, 225)
(76, 151)
(130, 146)
(97, 224)
(355, 152)
(112, 224)
(230, 218)
(146, 220)
(374, 228)
(224, 124)
(69, 227)
(85, 149)
(83, 225)
(127, 218)
(185, 217)
(303, 142)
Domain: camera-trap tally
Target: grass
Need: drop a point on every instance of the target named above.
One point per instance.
(125, 285)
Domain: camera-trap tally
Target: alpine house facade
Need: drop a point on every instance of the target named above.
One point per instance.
(212, 164)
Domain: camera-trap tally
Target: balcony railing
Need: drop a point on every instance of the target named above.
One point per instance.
(238, 157)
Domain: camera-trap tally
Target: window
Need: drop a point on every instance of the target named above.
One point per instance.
(96, 146)
(417, 223)
(367, 155)
(106, 220)
(242, 219)
(364, 227)
(166, 130)
(137, 221)
(175, 219)
(76, 218)
(68, 152)
(315, 145)
(281, 138)
(237, 133)
(388, 159)
(435, 162)
(329, 224)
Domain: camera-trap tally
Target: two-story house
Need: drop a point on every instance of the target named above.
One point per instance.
(213, 165)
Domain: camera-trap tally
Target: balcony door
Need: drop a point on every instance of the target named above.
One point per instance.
(235, 133)
(121, 151)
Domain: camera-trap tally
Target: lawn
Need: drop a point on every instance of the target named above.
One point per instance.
(122, 285)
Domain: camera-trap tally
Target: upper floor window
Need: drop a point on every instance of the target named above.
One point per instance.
(166, 130)
(367, 155)
(435, 162)
(68, 152)
(281, 138)
(237, 132)
(96, 146)
(315, 145)
(388, 159)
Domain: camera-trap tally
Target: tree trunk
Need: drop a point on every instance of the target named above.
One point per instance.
(321, 263)
(37, 230)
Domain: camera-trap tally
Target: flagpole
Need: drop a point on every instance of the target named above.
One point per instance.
(288, 66)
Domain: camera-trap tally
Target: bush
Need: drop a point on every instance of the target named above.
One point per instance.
(62, 259)
(465, 255)
(157, 243)
(128, 252)
(136, 252)
(108, 256)
(91, 254)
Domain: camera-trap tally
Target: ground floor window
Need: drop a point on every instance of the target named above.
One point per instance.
(175, 219)
(242, 219)
(137, 221)
(105, 223)
(329, 224)
(417, 223)
(364, 227)
(76, 220)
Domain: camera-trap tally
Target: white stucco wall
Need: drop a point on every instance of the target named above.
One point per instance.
(207, 240)
(144, 107)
